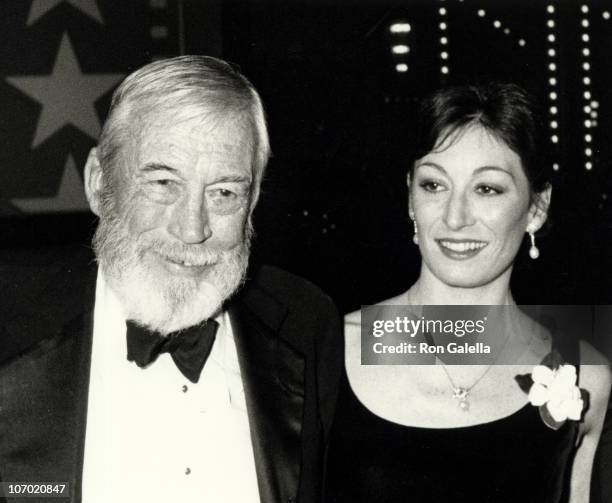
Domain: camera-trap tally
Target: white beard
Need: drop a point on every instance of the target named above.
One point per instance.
(155, 298)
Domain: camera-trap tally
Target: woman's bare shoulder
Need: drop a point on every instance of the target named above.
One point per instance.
(352, 325)
(596, 378)
(594, 367)
(353, 318)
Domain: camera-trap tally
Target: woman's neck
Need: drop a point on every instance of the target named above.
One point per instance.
(429, 290)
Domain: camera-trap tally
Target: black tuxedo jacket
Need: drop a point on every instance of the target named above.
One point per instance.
(289, 347)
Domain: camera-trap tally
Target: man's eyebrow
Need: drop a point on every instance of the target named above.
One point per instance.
(232, 179)
(157, 166)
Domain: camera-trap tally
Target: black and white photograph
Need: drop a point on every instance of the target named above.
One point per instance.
(306, 251)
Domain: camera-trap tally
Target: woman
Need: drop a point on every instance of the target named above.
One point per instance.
(438, 433)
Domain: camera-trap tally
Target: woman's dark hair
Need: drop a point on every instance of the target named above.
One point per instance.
(504, 110)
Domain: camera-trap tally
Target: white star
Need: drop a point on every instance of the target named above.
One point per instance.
(67, 95)
(69, 197)
(40, 7)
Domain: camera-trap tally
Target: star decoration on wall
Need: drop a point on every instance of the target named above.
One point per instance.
(41, 7)
(70, 195)
(67, 95)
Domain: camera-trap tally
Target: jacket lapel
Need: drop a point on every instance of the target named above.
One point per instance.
(273, 376)
(44, 390)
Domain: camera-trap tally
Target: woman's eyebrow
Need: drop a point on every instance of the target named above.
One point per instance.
(431, 164)
(494, 168)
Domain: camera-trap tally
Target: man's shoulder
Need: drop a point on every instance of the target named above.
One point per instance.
(42, 258)
(25, 274)
(42, 288)
(25, 269)
(287, 288)
(284, 301)
(299, 311)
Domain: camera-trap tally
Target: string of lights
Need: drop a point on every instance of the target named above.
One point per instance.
(443, 28)
(590, 106)
(497, 24)
(400, 29)
(400, 48)
(553, 93)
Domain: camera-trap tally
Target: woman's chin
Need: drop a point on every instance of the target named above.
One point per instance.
(462, 277)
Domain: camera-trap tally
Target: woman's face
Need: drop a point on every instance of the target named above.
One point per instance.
(471, 202)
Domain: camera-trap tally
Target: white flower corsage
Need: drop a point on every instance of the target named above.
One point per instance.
(556, 393)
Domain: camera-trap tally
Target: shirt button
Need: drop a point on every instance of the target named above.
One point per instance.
(184, 388)
(187, 471)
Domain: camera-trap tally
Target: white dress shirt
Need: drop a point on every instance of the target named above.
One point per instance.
(152, 435)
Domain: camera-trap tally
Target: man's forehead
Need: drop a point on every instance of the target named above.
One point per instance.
(192, 130)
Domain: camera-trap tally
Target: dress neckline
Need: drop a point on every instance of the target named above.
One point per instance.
(520, 411)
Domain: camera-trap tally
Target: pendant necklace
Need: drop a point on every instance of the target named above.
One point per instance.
(461, 393)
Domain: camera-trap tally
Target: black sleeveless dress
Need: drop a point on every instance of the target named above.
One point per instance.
(516, 459)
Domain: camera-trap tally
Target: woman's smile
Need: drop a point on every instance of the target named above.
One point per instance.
(460, 249)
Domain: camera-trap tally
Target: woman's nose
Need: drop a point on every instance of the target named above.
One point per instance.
(458, 213)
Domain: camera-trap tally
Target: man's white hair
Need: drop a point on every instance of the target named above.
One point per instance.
(213, 86)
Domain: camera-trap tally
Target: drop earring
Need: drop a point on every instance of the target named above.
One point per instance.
(534, 253)
(415, 237)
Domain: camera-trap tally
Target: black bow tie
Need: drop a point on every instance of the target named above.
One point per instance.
(189, 348)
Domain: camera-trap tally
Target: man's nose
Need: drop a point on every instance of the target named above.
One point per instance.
(190, 222)
(458, 213)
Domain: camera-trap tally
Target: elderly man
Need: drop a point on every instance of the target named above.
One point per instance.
(169, 370)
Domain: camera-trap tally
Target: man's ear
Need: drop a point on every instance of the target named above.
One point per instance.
(538, 212)
(92, 178)
(255, 193)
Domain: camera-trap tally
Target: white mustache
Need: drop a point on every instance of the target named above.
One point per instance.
(182, 254)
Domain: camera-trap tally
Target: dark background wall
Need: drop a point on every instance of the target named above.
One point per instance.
(341, 118)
